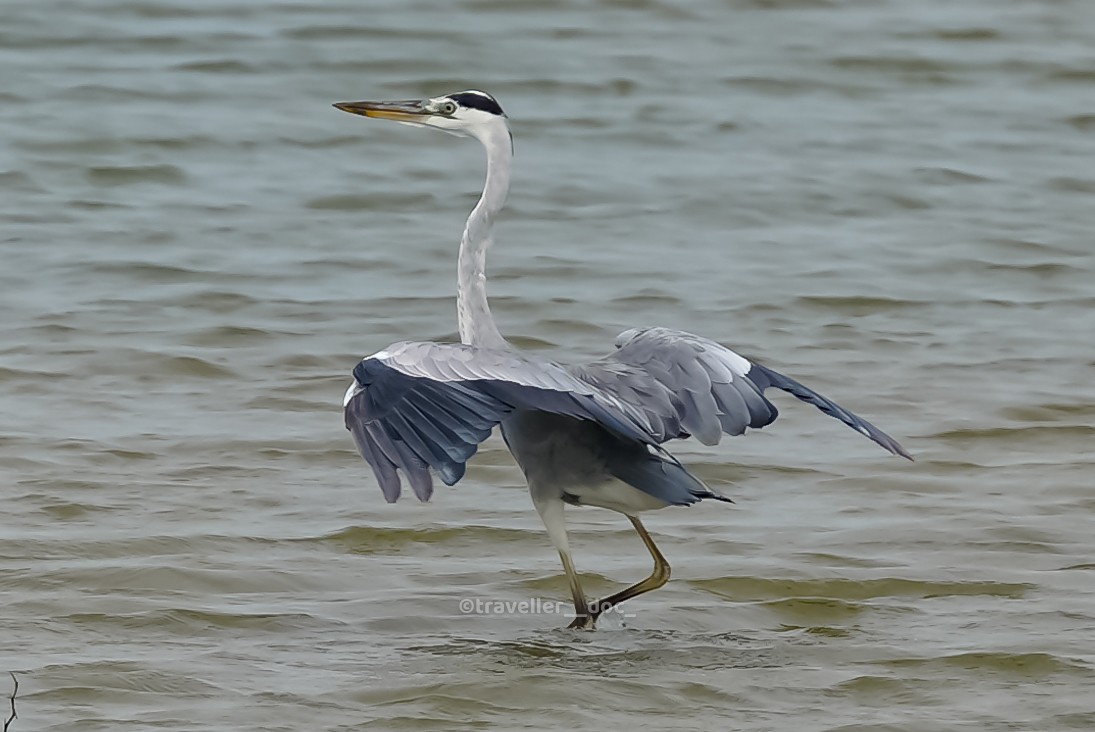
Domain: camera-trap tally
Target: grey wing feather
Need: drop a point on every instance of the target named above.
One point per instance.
(417, 406)
(696, 387)
(706, 387)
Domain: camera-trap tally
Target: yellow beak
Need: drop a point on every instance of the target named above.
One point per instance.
(409, 111)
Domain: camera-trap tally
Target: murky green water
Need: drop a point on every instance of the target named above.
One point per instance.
(892, 202)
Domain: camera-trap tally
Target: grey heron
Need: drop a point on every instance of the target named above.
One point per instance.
(584, 435)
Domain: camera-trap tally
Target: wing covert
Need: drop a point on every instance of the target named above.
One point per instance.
(684, 380)
(416, 406)
(707, 387)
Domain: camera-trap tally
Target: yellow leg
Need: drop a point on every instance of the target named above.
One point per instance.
(582, 617)
(657, 578)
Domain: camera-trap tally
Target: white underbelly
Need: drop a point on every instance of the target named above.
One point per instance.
(615, 495)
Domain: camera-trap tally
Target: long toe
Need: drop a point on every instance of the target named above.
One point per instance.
(584, 622)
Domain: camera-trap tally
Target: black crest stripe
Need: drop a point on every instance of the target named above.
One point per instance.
(478, 100)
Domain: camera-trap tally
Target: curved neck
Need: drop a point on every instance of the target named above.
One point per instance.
(477, 325)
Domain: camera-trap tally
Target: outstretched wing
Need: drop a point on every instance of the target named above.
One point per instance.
(416, 406)
(706, 388)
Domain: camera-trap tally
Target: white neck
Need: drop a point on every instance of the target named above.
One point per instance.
(473, 314)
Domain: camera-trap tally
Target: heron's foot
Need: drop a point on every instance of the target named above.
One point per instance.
(585, 621)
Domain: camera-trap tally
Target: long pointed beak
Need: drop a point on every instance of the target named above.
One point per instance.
(409, 111)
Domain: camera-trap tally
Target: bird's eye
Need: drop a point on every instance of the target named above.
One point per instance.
(447, 108)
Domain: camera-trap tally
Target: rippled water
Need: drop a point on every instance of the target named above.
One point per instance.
(891, 201)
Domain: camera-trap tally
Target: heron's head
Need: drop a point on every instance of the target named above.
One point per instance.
(467, 113)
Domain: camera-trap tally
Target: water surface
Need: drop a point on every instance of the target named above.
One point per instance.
(892, 202)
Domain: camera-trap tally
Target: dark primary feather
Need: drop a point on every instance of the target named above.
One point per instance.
(765, 377)
(418, 406)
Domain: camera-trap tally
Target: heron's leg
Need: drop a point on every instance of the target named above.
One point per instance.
(582, 616)
(657, 578)
(550, 508)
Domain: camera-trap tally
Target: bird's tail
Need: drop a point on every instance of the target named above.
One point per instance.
(662, 478)
(765, 377)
